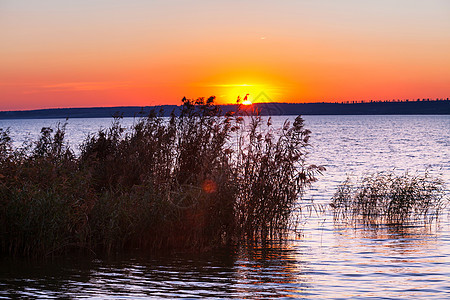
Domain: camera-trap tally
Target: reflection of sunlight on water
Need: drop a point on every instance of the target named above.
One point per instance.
(272, 270)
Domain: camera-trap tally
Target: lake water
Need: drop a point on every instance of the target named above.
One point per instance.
(328, 259)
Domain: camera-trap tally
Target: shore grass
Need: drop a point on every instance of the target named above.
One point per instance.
(195, 181)
(386, 198)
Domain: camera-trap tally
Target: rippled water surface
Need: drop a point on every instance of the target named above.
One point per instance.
(327, 260)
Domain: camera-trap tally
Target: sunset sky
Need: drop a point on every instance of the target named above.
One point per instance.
(84, 53)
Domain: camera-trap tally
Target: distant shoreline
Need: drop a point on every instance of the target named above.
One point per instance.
(427, 107)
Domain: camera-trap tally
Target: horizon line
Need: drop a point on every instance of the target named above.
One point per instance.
(254, 103)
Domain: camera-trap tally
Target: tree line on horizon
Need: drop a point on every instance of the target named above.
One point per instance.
(419, 106)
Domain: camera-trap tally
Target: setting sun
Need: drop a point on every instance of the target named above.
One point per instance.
(247, 93)
(246, 101)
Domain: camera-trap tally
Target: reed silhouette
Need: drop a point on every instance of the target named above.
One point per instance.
(195, 181)
(386, 198)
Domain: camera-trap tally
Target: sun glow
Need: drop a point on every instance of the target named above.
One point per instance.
(246, 101)
(246, 93)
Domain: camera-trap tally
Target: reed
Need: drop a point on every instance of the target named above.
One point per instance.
(271, 173)
(195, 181)
(386, 198)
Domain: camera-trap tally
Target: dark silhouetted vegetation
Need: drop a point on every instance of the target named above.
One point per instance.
(384, 198)
(196, 180)
(265, 106)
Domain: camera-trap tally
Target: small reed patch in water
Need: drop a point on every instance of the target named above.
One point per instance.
(386, 198)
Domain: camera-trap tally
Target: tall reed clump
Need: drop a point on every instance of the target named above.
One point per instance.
(271, 173)
(166, 183)
(385, 198)
(196, 180)
(42, 195)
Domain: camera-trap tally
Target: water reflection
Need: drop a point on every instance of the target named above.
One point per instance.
(329, 261)
(396, 261)
(272, 270)
(247, 273)
(384, 237)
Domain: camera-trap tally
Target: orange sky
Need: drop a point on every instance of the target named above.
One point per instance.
(109, 52)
